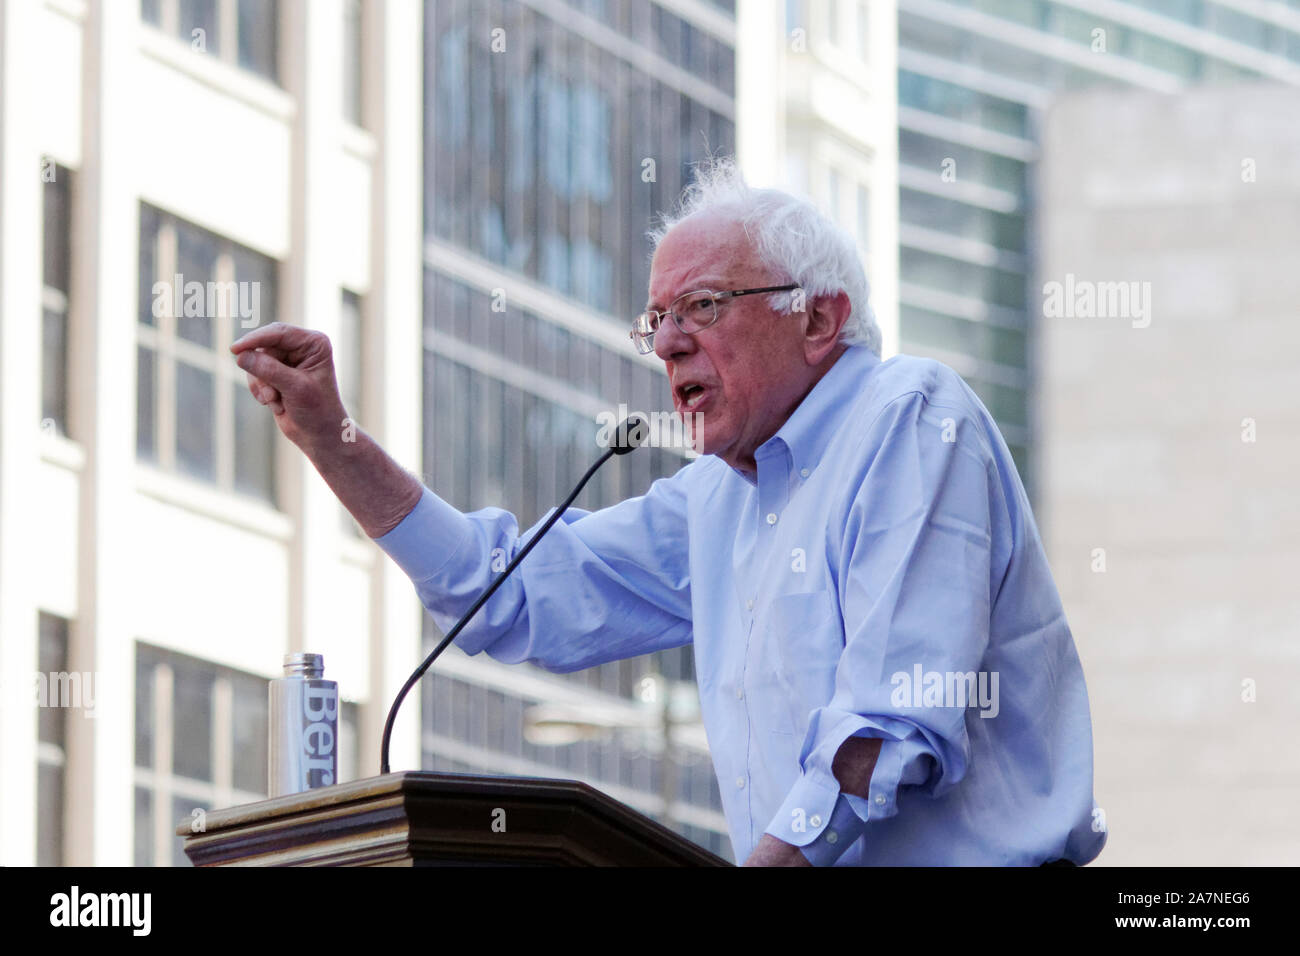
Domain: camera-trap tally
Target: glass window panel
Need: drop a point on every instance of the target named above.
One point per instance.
(145, 441)
(349, 742)
(962, 278)
(1029, 12)
(1020, 456)
(1006, 405)
(557, 135)
(49, 815)
(192, 685)
(256, 278)
(254, 446)
(199, 15)
(258, 33)
(251, 728)
(182, 812)
(977, 339)
(352, 60)
(1188, 11)
(592, 172)
(144, 694)
(58, 219)
(960, 219)
(1163, 55)
(196, 258)
(1236, 26)
(926, 36)
(148, 262)
(54, 368)
(668, 32)
(195, 421)
(347, 357)
(143, 822)
(52, 657)
(1079, 26)
(864, 218)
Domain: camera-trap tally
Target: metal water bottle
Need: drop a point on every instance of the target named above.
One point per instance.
(304, 751)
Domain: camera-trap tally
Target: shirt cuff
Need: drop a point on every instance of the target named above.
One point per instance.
(425, 541)
(824, 822)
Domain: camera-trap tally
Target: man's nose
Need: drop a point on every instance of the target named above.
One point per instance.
(670, 341)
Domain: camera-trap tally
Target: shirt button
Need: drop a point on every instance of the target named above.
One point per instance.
(771, 519)
(880, 799)
(815, 820)
(740, 782)
(750, 604)
(740, 693)
(804, 472)
(831, 836)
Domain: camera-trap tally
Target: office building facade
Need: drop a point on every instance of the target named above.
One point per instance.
(554, 134)
(974, 79)
(175, 174)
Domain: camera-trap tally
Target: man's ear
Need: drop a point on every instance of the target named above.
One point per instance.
(826, 317)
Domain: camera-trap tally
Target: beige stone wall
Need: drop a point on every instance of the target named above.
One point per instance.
(1145, 451)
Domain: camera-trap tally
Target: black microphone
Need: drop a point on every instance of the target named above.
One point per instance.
(631, 432)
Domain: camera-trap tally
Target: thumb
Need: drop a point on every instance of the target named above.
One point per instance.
(266, 367)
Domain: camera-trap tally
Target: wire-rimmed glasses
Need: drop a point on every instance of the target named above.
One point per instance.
(693, 312)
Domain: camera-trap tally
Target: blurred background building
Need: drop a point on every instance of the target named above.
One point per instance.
(817, 101)
(1170, 441)
(554, 133)
(974, 77)
(477, 177)
(158, 538)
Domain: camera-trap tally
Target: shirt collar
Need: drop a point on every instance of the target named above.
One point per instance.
(810, 428)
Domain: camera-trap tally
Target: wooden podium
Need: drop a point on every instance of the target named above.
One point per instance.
(440, 819)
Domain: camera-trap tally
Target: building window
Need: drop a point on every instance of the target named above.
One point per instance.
(51, 734)
(201, 735)
(56, 282)
(834, 194)
(243, 33)
(831, 25)
(195, 415)
(863, 34)
(569, 204)
(353, 57)
(864, 218)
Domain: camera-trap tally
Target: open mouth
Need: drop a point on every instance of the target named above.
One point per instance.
(690, 396)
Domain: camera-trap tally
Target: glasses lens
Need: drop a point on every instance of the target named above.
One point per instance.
(695, 311)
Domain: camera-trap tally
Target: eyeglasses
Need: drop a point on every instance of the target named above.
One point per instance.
(693, 312)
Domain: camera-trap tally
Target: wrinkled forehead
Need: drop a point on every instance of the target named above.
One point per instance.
(708, 250)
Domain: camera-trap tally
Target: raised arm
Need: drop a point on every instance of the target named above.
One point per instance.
(291, 371)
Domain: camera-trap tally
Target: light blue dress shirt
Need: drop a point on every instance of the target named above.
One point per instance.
(882, 577)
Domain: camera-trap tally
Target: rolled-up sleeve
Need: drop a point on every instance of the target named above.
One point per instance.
(914, 592)
(599, 586)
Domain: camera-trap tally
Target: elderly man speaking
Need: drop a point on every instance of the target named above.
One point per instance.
(885, 670)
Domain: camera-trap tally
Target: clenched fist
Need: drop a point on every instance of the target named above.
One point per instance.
(291, 370)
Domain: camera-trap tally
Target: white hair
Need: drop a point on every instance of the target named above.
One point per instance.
(789, 236)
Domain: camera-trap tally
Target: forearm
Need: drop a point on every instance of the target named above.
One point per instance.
(375, 489)
(853, 764)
